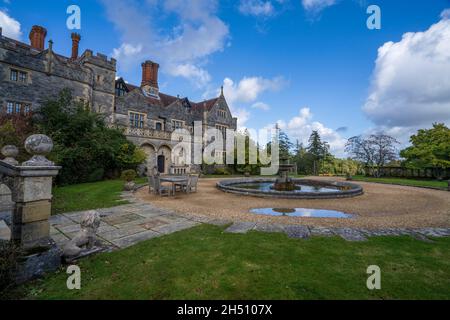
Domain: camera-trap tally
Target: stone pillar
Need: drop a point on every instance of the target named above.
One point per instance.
(31, 191)
(32, 197)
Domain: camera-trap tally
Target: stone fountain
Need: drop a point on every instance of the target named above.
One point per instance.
(283, 182)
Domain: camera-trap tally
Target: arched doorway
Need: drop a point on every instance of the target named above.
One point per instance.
(161, 164)
(163, 159)
(151, 160)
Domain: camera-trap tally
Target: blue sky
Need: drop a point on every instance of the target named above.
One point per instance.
(309, 64)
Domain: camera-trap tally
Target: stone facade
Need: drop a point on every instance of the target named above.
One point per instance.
(30, 74)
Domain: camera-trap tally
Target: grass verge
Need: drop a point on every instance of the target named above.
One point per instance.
(87, 196)
(206, 263)
(405, 182)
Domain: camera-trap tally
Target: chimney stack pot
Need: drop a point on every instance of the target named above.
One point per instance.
(37, 37)
(75, 45)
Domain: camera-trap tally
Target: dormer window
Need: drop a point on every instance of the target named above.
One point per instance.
(150, 92)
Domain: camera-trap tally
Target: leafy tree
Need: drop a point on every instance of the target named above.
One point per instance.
(430, 148)
(374, 150)
(253, 169)
(85, 147)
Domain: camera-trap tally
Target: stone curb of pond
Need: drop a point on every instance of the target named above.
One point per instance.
(305, 232)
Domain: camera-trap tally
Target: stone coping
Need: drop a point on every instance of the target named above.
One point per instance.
(228, 186)
(28, 171)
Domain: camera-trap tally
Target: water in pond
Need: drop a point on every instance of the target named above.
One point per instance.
(268, 186)
(301, 212)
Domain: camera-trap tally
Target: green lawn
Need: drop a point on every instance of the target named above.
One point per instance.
(405, 182)
(206, 263)
(86, 196)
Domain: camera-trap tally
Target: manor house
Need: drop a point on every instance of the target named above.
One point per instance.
(31, 73)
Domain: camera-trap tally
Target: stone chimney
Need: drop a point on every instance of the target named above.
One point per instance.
(37, 37)
(150, 74)
(75, 44)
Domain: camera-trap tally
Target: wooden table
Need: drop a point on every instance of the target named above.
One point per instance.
(174, 180)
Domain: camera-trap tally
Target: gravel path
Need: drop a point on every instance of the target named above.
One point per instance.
(382, 206)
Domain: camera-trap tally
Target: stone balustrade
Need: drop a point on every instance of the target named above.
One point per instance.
(145, 133)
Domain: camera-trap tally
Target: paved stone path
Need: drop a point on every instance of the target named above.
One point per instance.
(122, 226)
(126, 225)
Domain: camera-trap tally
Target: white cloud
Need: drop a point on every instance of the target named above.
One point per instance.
(10, 26)
(411, 81)
(301, 126)
(249, 88)
(315, 6)
(445, 14)
(245, 94)
(261, 106)
(190, 71)
(256, 7)
(192, 32)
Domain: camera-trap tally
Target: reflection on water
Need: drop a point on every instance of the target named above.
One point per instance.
(268, 186)
(301, 212)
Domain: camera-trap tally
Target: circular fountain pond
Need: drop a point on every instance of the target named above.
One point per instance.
(303, 188)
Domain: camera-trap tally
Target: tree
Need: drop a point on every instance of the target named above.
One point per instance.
(430, 148)
(285, 145)
(85, 147)
(374, 150)
(318, 149)
(253, 169)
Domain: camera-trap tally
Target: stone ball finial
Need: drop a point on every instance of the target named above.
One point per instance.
(39, 146)
(10, 152)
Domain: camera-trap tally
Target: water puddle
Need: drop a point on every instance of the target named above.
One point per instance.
(301, 212)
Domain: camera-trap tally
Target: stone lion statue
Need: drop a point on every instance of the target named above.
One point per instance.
(86, 238)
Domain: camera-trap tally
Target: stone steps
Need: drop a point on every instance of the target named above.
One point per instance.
(5, 232)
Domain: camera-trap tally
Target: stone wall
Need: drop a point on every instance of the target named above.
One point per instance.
(90, 79)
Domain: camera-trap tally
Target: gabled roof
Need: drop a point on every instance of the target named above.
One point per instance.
(166, 100)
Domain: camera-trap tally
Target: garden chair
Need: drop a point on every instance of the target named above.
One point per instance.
(184, 186)
(161, 189)
(151, 184)
(194, 182)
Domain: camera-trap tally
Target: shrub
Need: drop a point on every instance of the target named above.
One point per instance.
(222, 171)
(14, 129)
(128, 175)
(85, 147)
(9, 255)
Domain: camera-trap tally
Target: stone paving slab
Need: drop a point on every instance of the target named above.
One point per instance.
(270, 228)
(135, 238)
(241, 227)
(321, 232)
(120, 233)
(297, 232)
(177, 226)
(350, 234)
